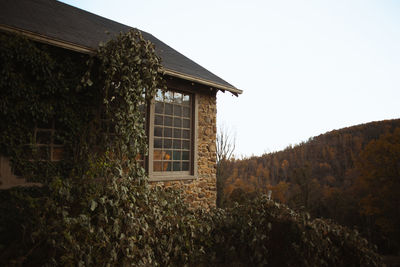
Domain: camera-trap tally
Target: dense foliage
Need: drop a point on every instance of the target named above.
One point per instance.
(39, 87)
(378, 184)
(96, 111)
(154, 227)
(264, 233)
(350, 175)
(95, 207)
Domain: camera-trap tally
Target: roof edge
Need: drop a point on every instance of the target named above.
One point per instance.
(48, 40)
(221, 87)
(87, 50)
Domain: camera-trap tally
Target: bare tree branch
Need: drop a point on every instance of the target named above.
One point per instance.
(226, 143)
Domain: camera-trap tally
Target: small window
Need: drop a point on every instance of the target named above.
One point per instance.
(47, 145)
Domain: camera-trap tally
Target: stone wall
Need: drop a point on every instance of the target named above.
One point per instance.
(202, 192)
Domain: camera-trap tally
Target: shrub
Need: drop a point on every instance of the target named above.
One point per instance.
(97, 222)
(262, 232)
(123, 222)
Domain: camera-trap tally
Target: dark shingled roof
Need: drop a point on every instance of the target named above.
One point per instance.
(53, 20)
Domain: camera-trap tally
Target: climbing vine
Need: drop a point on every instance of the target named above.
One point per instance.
(129, 73)
(95, 107)
(39, 88)
(95, 104)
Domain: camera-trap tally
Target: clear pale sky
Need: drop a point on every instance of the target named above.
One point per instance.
(306, 67)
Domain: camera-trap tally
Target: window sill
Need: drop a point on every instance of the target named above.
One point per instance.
(162, 177)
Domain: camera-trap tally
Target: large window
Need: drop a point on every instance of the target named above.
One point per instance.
(171, 135)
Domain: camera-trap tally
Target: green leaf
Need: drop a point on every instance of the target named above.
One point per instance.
(93, 205)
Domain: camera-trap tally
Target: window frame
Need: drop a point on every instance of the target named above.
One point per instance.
(51, 146)
(173, 175)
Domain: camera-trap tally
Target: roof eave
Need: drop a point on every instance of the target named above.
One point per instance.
(87, 50)
(48, 40)
(221, 87)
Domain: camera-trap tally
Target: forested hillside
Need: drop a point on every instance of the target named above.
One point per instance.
(351, 175)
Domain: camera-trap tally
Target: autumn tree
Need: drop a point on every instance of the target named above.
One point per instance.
(306, 187)
(379, 183)
(280, 191)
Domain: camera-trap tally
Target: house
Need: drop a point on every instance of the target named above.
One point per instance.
(182, 124)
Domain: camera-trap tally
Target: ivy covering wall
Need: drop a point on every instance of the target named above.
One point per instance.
(93, 103)
(39, 86)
